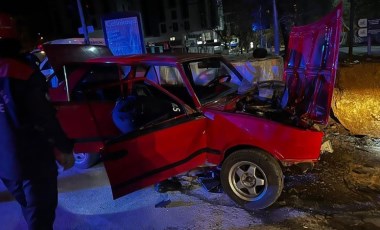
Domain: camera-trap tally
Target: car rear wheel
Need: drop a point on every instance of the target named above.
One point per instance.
(85, 160)
(252, 178)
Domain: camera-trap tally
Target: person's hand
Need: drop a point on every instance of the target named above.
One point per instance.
(66, 160)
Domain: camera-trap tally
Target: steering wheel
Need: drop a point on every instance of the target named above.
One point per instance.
(217, 79)
(271, 90)
(271, 84)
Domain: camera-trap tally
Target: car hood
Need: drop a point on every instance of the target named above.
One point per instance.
(61, 54)
(310, 68)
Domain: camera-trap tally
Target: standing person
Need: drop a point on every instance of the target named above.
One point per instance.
(29, 132)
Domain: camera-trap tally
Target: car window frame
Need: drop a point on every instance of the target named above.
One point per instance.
(69, 81)
(190, 80)
(188, 112)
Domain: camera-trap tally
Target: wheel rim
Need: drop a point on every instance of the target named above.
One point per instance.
(80, 157)
(247, 180)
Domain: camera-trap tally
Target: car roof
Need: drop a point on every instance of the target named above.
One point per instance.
(155, 58)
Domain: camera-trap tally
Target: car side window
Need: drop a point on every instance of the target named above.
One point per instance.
(145, 107)
(138, 71)
(126, 71)
(170, 79)
(211, 78)
(141, 71)
(56, 78)
(99, 74)
(109, 92)
(99, 83)
(169, 75)
(204, 73)
(152, 74)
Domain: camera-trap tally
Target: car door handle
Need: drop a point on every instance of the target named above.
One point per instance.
(112, 156)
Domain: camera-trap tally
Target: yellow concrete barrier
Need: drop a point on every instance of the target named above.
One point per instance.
(356, 101)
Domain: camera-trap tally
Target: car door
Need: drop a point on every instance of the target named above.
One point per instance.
(93, 90)
(77, 121)
(167, 138)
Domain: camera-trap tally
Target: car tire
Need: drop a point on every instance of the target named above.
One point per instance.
(86, 160)
(252, 178)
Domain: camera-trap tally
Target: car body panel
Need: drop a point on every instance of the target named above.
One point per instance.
(104, 124)
(154, 156)
(310, 67)
(88, 124)
(210, 128)
(228, 130)
(73, 115)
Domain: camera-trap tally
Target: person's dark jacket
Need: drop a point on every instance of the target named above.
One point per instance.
(29, 129)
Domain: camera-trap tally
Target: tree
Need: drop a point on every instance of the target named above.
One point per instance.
(241, 16)
(237, 18)
(299, 12)
(367, 9)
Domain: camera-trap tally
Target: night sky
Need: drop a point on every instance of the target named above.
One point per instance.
(31, 13)
(32, 16)
(35, 19)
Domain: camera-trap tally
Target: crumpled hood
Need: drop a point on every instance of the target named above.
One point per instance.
(310, 68)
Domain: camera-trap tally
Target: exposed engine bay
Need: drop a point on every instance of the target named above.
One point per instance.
(268, 100)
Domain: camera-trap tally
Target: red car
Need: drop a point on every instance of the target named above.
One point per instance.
(153, 117)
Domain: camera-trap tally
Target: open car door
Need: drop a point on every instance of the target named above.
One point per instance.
(84, 100)
(75, 112)
(161, 138)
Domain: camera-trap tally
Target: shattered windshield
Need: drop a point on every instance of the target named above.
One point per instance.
(212, 79)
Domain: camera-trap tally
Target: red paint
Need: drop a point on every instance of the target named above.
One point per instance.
(310, 67)
(150, 155)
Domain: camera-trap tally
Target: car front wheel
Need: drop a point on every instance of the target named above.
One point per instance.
(252, 178)
(85, 160)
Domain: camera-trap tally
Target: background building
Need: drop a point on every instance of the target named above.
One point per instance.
(166, 23)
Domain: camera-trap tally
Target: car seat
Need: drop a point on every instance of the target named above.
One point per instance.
(123, 114)
(133, 111)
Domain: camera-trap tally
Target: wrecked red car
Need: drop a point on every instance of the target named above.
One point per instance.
(154, 116)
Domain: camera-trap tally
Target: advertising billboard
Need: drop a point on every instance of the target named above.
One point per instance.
(123, 33)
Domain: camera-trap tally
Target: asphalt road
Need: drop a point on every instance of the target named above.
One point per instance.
(85, 202)
(316, 200)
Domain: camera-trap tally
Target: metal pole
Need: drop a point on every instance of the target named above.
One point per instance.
(261, 30)
(369, 45)
(83, 22)
(351, 35)
(276, 31)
